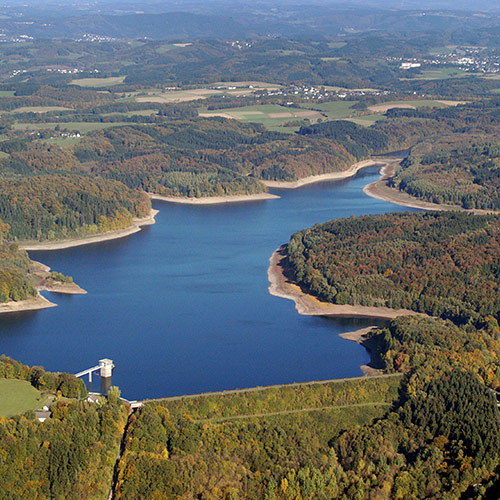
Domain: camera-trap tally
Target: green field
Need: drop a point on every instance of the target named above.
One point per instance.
(247, 83)
(184, 95)
(162, 49)
(336, 45)
(446, 49)
(98, 82)
(368, 120)
(82, 127)
(39, 109)
(7, 93)
(18, 396)
(139, 112)
(335, 110)
(62, 141)
(491, 76)
(441, 74)
(417, 103)
(269, 115)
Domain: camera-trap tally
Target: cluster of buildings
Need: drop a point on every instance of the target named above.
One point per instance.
(89, 37)
(471, 59)
(4, 38)
(241, 45)
(308, 92)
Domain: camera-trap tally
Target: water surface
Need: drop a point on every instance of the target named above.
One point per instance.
(182, 306)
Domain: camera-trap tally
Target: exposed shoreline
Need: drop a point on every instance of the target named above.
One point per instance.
(214, 200)
(31, 304)
(381, 191)
(352, 171)
(87, 240)
(40, 273)
(308, 305)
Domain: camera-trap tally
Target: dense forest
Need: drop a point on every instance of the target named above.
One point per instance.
(50, 191)
(90, 126)
(71, 454)
(14, 267)
(441, 264)
(432, 434)
(56, 206)
(458, 166)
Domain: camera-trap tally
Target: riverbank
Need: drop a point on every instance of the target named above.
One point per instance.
(308, 305)
(87, 240)
(214, 200)
(352, 171)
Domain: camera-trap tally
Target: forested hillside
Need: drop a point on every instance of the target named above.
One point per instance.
(14, 265)
(458, 166)
(442, 264)
(435, 435)
(58, 206)
(71, 454)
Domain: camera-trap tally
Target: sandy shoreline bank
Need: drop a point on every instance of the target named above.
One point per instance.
(32, 304)
(361, 337)
(309, 305)
(353, 170)
(214, 200)
(41, 275)
(87, 240)
(381, 191)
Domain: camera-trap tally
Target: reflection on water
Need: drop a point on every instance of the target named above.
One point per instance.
(183, 307)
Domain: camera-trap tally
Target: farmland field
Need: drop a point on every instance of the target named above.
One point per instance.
(270, 115)
(82, 127)
(18, 396)
(98, 82)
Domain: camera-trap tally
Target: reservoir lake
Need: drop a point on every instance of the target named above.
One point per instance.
(182, 307)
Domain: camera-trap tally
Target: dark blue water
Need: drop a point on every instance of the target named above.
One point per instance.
(182, 306)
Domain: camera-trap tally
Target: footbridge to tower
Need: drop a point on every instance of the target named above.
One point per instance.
(105, 367)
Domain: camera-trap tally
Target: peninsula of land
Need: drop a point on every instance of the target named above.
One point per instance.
(42, 281)
(381, 190)
(31, 304)
(308, 305)
(352, 171)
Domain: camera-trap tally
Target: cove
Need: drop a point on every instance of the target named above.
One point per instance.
(183, 307)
